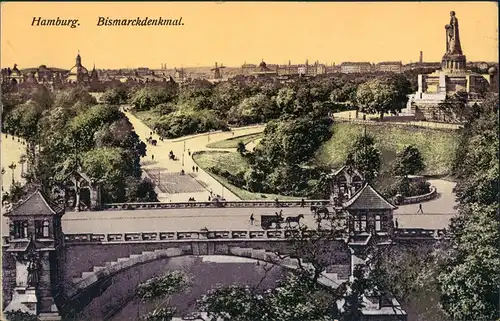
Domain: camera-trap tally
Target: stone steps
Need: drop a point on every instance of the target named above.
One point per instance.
(124, 262)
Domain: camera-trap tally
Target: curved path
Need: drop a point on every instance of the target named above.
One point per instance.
(201, 182)
(129, 221)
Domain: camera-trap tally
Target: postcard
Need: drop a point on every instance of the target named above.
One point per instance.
(249, 161)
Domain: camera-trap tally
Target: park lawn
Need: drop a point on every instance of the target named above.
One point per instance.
(436, 145)
(147, 116)
(233, 163)
(233, 141)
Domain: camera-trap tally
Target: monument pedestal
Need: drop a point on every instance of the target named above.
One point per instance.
(24, 299)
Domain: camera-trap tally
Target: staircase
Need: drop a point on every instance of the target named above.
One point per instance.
(109, 268)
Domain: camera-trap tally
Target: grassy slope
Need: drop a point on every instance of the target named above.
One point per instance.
(233, 163)
(233, 141)
(437, 146)
(146, 116)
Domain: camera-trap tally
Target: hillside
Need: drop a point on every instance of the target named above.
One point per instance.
(437, 146)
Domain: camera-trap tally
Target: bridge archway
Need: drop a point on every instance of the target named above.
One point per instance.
(96, 283)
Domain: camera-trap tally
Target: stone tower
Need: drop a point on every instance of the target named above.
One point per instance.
(35, 238)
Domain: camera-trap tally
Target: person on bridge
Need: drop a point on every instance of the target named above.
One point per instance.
(251, 219)
(420, 210)
(396, 223)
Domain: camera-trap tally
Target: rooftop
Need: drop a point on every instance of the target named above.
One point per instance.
(368, 198)
(35, 204)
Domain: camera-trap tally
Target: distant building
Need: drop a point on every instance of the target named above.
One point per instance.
(356, 67)
(51, 76)
(390, 66)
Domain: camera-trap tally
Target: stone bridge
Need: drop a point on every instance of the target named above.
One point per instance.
(89, 260)
(79, 252)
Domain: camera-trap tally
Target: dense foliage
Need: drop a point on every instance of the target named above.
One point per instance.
(365, 157)
(66, 131)
(470, 271)
(201, 106)
(409, 162)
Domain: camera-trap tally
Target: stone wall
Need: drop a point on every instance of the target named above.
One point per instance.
(79, 258)
(421, 198)
(8, 276)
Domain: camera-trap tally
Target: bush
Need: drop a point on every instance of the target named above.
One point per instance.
(408, 188)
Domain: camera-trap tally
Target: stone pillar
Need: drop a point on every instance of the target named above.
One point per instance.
(47, 308)
(24, 297)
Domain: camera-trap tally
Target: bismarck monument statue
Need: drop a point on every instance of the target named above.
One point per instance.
(453, 79)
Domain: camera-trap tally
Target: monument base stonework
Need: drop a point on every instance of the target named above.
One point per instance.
(23, 299)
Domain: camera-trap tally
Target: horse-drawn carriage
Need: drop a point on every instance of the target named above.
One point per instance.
(267, 221)
(318, 210)
(152, 141)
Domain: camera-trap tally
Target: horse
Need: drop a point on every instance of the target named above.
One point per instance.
(294, 219)
(318, 210)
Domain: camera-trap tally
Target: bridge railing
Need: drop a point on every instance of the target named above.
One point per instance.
(222, 235)
(410, 233)
(212, 204)
(166, 236)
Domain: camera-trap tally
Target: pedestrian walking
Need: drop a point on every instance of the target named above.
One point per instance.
(251, 219)
(151, 133)
(196, 169)
(302, 203)
(396, 223)
(420, 210)
(152, 157)
(189, 153)
(209, 198)
(193, 169)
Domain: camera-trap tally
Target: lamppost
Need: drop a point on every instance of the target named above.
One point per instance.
(12, 167)
(22, 160)
(182, 159)
(184, 146)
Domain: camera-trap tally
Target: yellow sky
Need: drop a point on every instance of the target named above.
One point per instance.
(233, 33)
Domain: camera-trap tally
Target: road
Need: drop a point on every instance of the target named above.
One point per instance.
(192, 219)
(163, 166)
(168, 220)
(12, 150)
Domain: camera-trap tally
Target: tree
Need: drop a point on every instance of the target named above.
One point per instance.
(159, 290)
(382, 96)
(365, 157)
(241, 148)
(470, 273)
(409, 162)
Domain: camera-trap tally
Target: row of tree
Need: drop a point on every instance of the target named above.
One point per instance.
(67, 131)
(201, 106)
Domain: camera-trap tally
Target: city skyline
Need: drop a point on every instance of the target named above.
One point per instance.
(219, 32)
